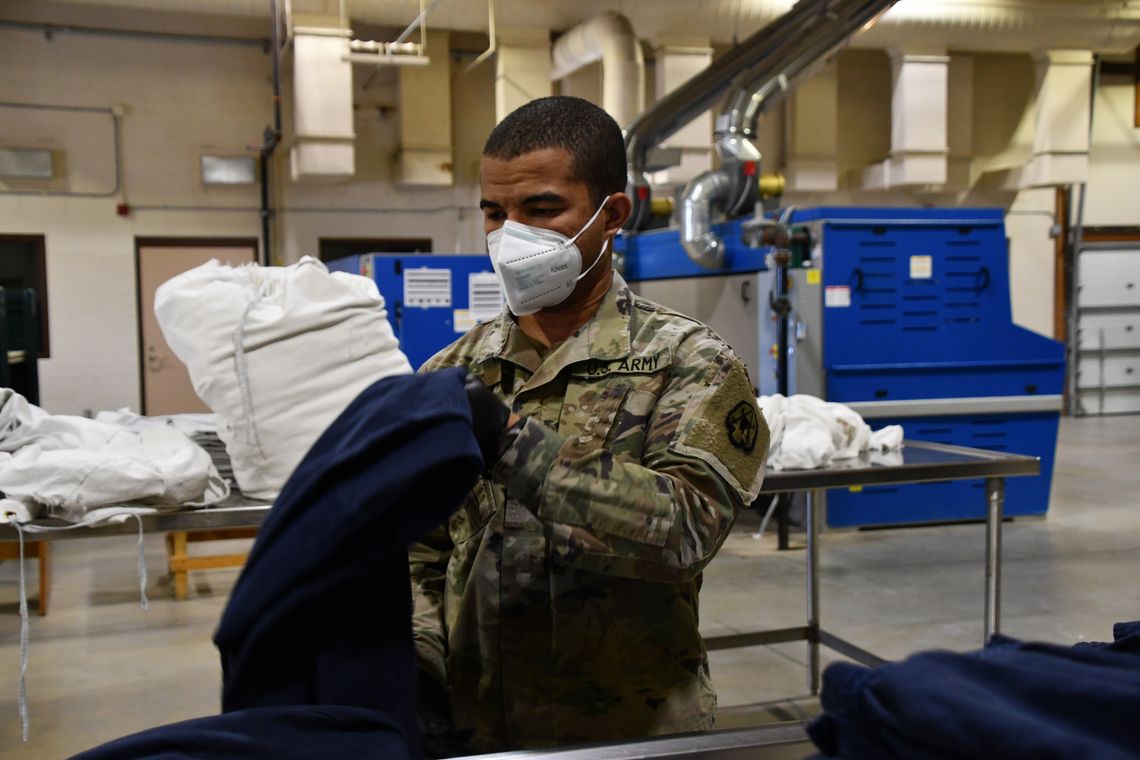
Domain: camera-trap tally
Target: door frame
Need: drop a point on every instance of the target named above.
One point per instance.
(172, 242)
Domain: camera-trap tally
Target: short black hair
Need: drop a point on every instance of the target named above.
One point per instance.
(590, 135)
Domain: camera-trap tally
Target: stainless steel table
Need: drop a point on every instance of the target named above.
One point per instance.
(916, 462)
(778, 741)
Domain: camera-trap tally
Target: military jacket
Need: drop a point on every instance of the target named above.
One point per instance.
(559, 604)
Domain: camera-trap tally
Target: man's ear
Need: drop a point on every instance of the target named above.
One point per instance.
(617, 211)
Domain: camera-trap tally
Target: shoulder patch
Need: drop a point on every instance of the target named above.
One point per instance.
(741, 426)
(726, 429)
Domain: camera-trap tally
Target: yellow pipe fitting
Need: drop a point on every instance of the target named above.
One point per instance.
(772, 185)
(661, 205)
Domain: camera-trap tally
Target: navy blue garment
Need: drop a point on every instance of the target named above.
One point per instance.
(316, 641)
(1008, 700)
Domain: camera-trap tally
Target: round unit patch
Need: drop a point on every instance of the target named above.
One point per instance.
(742, 426)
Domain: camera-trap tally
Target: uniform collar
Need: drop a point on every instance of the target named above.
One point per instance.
(606, 336)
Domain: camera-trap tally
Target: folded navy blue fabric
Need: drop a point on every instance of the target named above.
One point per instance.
(1009, 700)
(316, 641)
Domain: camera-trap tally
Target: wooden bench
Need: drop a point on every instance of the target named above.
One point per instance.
(40, 550)
(182, 562)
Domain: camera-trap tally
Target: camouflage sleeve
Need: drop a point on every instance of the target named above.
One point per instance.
(664, 517)
(427, 559)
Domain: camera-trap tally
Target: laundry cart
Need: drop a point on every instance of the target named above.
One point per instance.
(431, 299)
(905, 315)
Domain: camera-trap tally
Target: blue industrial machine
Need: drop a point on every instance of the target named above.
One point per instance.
(431, 299)
(904, 315)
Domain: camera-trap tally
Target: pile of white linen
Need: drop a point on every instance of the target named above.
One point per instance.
(277, 353)
(190, 424)
(808, 432)
(70, 467)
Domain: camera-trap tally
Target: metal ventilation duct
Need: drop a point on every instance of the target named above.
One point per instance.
(733, 187)
(608, 38)
(757, 74)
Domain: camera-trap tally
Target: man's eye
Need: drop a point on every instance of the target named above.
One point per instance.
(546, 211)
(494, 216)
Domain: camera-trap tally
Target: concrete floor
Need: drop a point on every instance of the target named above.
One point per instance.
(101, 667)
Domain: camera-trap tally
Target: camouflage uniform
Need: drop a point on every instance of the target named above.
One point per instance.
(559, 604)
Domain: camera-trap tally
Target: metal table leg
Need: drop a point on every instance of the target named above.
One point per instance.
(995, 500)
(811, 515)
(782, 522)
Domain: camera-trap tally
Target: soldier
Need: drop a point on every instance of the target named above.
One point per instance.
(559, 604)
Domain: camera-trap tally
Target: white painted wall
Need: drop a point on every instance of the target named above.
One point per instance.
(1114, 160)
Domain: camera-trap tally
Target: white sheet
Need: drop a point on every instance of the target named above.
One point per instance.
(67, 466)
(808, 432)
(183, 423)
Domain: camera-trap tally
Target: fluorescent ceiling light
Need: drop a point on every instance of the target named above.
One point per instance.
(25, 163)
(228, 170)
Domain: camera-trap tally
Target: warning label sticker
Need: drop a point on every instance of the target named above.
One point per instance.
(837, 296)
(921, 267)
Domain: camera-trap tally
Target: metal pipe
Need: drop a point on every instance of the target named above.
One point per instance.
(492, 41)
(276, 41)
(697, 237)
(830, 28)
(758, 72)
(783, 259)
(419, 21)
(812, 516)
(270, 139)
(291, 209)
(730, 186)
(48, 30)
(995, 500)
(828, 25)
(116, 139)
(609, 38)
(695, 96)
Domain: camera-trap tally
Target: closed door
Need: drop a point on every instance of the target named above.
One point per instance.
(166, 387)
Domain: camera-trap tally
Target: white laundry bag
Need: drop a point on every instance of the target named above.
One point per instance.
(277, 353)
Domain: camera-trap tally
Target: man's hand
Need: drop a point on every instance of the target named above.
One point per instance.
(489, 418)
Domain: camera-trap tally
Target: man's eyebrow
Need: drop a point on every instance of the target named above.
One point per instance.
(547, 197)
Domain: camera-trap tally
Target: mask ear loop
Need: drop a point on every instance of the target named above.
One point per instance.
(605, 245)
(587, 225)
(597, 258)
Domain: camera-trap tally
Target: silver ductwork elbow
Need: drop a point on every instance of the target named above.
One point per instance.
(704, 191)
(725, 190)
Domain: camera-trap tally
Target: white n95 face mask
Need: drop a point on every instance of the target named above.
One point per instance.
(537, 267)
